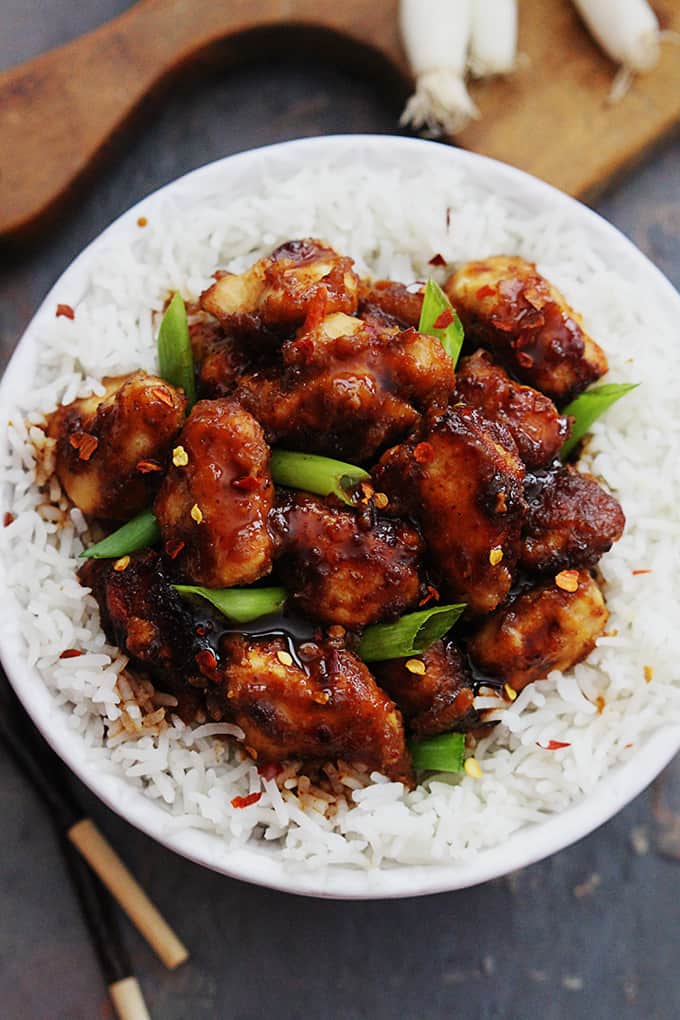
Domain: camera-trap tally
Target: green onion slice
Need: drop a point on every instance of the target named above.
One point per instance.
(438, 308)
(139, 533)
(320, 475)
(444, 753)
(239, 604)
(588, 407)
(410, 635)
(175, 357)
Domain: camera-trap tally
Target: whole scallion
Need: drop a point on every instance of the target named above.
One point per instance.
(139, 533)
(443, 753)
(175, 357)
(239, 604)
(411, 634)
(438, 318)
(320, 475)
(588, 407)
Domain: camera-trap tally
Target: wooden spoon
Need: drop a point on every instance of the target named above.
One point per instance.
(60, 111)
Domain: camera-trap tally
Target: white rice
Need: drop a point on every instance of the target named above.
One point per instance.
(392, 224)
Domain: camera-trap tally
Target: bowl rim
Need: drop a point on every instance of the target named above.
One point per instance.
(252, 863)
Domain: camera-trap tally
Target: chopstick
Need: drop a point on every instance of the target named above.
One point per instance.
(48, 776)
(97, 908)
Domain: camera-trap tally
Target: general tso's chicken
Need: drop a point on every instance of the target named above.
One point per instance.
(544, 629)
(143, 614)
(531, 418)
(461, 478)
(347, 389)
(213, 504)
(571, 522)
(341, 567)
(278, 291)
(220, 359)
(323, 707)
(386, 303)
(112, 449)
(505, 304)
(434, 701)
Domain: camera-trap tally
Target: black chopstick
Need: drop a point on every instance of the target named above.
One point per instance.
(49, 777)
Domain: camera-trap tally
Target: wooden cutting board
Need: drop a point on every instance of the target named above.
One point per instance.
(62, 112)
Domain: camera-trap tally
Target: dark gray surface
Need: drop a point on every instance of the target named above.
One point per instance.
(592, 932)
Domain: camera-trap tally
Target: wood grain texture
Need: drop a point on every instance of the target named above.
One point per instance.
(61, 111)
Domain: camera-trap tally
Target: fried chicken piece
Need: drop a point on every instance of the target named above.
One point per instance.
(386, 303)
(461, 478)
(506, 305)
(112, 450)
(318, 709)
(546, 628)
(571, 521)
(278, 291)
(212, 510)
(531, 418)
(143, 614)
(220, 358)
(438, 701)
(348, 389)
(342, 567)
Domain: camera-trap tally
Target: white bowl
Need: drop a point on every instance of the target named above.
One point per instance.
(263, 866)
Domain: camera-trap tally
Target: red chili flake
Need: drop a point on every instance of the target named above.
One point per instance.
(637, 572)
(448, 217)
(84, 443)
(270, 771)
(65, 311)
(142, 221)
(145, 467)
(200, 630)
(316, 309)
(485, 291)
(205, 659)
(174, 547)
(432, 596)
(424, 453)
(524, 360)
(71, 653)
(247, 483)
(241, 802)
(437, 260)
(7, 519)
(553, 745)
(161, 394)
(444, 319)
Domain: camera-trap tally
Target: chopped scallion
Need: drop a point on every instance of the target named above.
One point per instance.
(139, 533)
(588, 407)
(175, 357)
(320, 475)
(410, 635)
(239, 604)
(438, 309)
(443, 753)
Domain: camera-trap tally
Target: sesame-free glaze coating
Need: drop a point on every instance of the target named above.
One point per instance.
(547, 628)
(213, 504)
(461, 478)
(320, 708)
(505, 304)
(112, 449)
(437, 700)
(343, 567)
(531, 418)
(571, 521)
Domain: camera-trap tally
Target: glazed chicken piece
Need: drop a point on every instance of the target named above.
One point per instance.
(531, 418)
(112, 450)
(347, 389)
(571, 521)
(546, 628)
(439, 700)
(506, 305)
(220, 359)
(278, 291)
(461, 479)
(323, 707)
(213, 504)
(143, 614)
(386, 303)
(342, 567)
